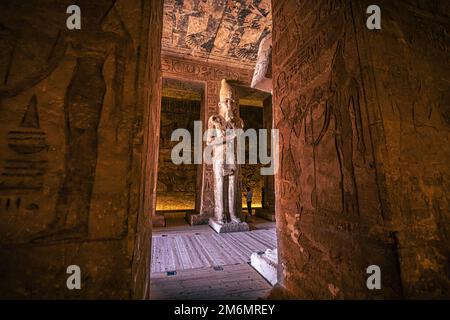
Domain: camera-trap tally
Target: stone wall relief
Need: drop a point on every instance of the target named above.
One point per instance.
(83, 110)
(333, 111)
(343, 106)
(83, 106)
(23, 174)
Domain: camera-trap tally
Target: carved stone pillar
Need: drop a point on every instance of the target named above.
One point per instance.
(330, 219)
(79, 116)
(204, 205)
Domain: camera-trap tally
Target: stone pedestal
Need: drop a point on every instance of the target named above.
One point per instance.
(266, 263)
(194, 218)
(158, 221)
(228, 227)
(266, 213)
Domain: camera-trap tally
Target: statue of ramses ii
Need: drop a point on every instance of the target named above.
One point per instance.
(222, 136)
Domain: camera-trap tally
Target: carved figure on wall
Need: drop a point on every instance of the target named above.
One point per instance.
(83, 108)
(225, 168)
(290, 124)
(343, 107)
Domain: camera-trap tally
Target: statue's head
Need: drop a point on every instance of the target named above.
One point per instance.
(227, 103)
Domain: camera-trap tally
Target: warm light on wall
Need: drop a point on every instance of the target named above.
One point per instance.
(176, 201)
(167, 201)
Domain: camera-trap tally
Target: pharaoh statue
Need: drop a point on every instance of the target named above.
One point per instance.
(222, 138)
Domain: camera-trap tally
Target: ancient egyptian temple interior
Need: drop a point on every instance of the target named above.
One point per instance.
(121, 124)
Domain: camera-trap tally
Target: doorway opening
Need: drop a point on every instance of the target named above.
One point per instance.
(203, 44)
(193, 261)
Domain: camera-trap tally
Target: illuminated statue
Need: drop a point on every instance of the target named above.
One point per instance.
(222, 138)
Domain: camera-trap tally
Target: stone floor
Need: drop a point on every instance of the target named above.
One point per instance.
(194, 262)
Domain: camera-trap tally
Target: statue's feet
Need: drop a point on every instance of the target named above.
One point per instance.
(220, 221)
(235, 220)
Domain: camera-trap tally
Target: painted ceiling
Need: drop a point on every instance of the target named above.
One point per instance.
(222, 31)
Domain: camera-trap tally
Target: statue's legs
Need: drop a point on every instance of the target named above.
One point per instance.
(218, 192)
(232, 198)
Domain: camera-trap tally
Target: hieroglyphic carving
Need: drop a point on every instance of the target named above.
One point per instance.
(303, 116)
(28, 139)
(294, 31)
(198, 71)
(212, 96)
(336, 102)
(24, 172)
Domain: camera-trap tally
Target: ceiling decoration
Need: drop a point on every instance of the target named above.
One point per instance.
(224, 31)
